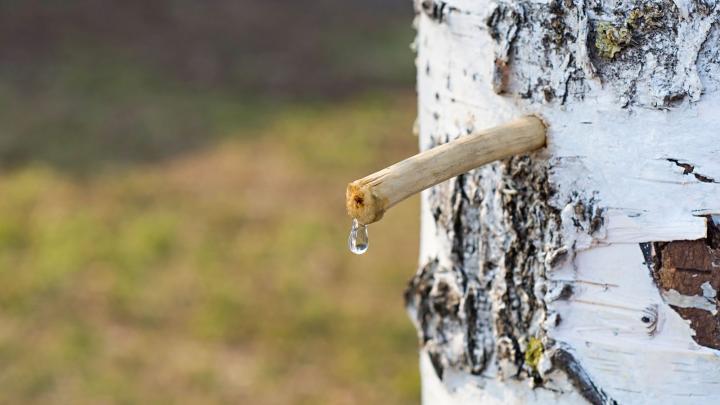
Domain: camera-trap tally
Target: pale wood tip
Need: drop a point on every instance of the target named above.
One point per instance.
(362, 204)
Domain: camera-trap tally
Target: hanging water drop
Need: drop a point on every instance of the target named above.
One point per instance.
(358, 239)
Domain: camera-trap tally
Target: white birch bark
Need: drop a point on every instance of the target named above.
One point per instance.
(557, 277)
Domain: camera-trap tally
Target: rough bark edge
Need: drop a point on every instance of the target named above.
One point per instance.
(687, 276)
(492, 299)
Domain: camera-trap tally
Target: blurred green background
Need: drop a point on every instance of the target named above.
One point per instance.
(172, 225)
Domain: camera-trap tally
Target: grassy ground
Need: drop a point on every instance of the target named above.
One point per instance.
(218, 274)
(172, 225)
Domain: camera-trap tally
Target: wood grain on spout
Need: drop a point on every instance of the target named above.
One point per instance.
(367, 199)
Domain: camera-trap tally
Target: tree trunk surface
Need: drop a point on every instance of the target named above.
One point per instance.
(589, 271)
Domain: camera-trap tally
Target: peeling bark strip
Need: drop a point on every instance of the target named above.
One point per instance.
(688, 275)
(460, 311)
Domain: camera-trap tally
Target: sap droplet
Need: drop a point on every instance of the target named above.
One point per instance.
(358, 239)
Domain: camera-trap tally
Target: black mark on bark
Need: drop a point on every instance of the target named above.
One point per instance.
(434, 9)
(566, 362)
(690, 169)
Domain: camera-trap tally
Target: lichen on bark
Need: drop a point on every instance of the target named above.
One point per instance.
(646, 50)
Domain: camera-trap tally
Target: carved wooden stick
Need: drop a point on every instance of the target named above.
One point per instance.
(367, 199)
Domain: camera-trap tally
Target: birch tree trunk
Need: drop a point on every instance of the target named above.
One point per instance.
(587, 272)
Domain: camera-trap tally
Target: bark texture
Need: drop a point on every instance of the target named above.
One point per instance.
(588, 270)
(484, 302)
